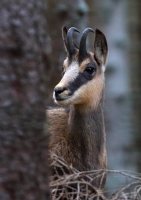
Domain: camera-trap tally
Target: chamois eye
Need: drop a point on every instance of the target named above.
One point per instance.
(90, 70)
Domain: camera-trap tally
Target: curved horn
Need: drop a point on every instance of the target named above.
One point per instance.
(70, 45)
(82, 47)
(64, 33)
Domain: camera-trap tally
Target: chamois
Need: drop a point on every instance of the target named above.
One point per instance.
(77, 132)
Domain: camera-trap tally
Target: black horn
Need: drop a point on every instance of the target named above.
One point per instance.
(70, 44)
(82, 47)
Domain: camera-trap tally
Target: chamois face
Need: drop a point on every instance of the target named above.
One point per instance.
(83, 77)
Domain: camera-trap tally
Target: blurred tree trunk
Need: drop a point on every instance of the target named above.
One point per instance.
(23, 59)
(134, 16)
(110, 17)
(60, 13)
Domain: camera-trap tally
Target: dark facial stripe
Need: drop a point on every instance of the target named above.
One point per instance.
(78, 82)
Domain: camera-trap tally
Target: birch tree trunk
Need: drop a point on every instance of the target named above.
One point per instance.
(111, 17)
(134, 27)
(23, 59)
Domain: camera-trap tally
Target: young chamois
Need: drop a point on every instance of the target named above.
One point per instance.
(77, 132)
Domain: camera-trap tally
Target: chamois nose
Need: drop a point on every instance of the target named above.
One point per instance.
(59, 90)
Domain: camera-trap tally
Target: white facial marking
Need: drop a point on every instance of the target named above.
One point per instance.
(70, 74)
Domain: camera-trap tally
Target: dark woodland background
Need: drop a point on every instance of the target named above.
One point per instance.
(31, 54)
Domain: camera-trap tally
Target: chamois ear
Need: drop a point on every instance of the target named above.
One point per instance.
(100, 47)
(64, 34)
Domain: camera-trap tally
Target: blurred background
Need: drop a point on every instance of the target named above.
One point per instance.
(120, 22)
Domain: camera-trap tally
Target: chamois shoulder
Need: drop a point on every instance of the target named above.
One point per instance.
(56, 112)
(57, 119)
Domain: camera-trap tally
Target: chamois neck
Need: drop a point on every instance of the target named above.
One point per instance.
(93, 108)
(81, 115)
(87, 134)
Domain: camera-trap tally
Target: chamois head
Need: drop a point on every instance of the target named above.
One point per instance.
(83, 72)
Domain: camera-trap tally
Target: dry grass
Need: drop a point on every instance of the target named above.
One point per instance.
(75, 185)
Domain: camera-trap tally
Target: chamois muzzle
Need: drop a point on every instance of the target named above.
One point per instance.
(70, 44)
(82, 46)
(59, 91)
